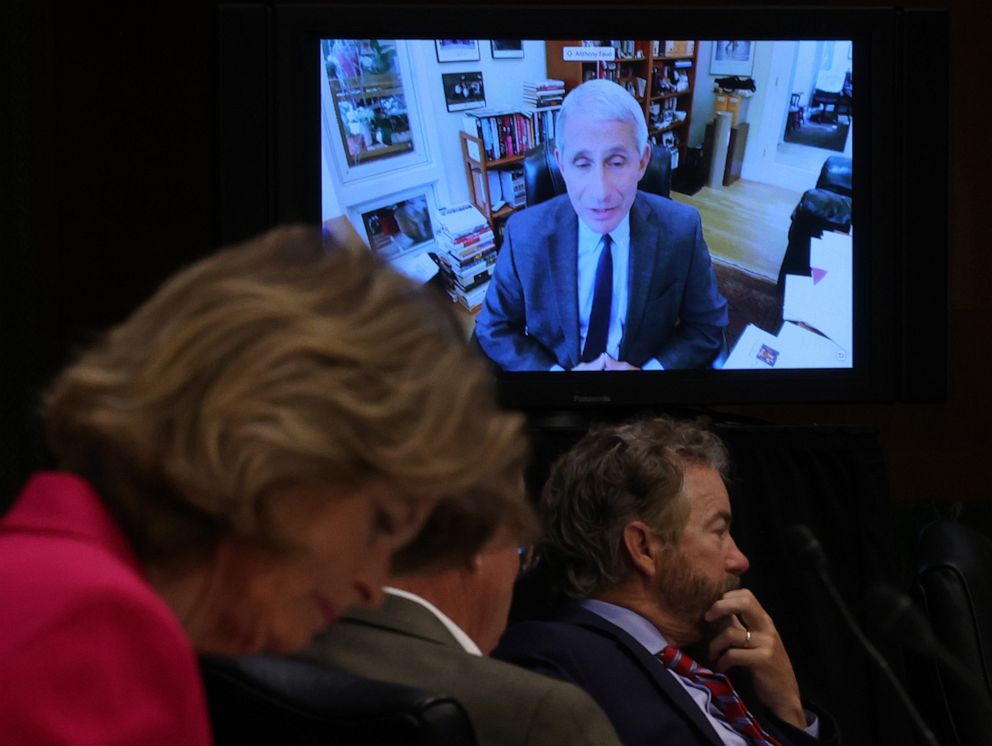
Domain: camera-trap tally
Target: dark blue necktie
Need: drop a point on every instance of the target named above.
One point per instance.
(602, 300)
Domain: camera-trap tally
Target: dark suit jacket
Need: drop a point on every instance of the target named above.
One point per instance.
(642, 699)
(530, 317)
(404, 643)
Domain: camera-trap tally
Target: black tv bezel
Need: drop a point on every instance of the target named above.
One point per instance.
(882, 299)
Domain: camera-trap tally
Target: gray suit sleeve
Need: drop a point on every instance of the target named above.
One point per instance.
(501, 327)
(566, 714)
(702, 314)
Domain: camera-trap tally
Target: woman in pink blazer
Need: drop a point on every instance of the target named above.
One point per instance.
(238, 463)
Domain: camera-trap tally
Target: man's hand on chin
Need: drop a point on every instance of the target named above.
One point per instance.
(745, 636)
(611, 364)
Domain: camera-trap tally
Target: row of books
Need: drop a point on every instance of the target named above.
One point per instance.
(506, 187)
(466, 253)
(507, 132)
(504, 132)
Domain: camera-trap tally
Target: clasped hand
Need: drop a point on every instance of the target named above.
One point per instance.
(605, 362)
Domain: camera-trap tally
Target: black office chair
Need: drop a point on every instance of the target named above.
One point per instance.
(953, 588)
(543, 180)
(265, 700)
(825, 207)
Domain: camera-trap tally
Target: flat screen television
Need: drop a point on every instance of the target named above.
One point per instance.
(802, 138)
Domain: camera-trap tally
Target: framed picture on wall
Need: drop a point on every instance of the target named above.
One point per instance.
(505, 49)
(456, 50)
(733, 57)
(463, 91)
(397, 227)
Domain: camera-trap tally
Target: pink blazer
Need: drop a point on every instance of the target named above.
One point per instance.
(89, 653)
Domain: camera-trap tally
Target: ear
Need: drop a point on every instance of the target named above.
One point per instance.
(641, 549)
(473, 564)
(558, 158)
(645, 160)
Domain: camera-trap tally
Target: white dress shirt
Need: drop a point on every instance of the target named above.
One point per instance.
(589, 250)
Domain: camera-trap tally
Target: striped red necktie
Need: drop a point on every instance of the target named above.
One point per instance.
(723, 694)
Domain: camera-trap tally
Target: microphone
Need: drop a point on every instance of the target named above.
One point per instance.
(894, 612)
(807, 548)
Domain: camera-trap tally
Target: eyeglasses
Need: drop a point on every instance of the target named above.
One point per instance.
(527, 559)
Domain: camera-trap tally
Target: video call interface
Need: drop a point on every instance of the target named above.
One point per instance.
(424, 143)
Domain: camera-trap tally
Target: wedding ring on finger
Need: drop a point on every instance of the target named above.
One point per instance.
(747, 638)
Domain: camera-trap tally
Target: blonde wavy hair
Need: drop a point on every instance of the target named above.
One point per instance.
(280, 361)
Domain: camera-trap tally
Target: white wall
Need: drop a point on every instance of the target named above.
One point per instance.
(704, 98)
(773, 67)
(502, 80)
(435, 167)
(807, 65)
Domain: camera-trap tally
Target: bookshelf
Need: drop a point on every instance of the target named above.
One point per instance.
(494, 156)
(477, 172)
(650, 61)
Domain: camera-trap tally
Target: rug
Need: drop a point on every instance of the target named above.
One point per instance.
(826, 135)
(751, 299)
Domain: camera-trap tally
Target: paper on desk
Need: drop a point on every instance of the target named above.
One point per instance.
(755, 349)
(806, 349)
(793, 347)
(417, 266)
(826, 305)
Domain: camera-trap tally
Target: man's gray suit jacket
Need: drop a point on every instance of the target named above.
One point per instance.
(530, 318)
(403, 642)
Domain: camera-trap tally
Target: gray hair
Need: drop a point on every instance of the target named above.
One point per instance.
(612, 476)
(603, 100)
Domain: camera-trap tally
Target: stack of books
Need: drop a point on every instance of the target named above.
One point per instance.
(542, 100)
(540, 94)
(466, 253)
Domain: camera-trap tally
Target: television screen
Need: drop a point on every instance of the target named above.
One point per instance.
(424, 147)
(722, 212)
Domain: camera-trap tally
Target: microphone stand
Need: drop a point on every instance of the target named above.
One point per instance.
(896, 613)
(808, 547)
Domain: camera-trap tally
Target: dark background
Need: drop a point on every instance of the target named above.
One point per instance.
(111, 147)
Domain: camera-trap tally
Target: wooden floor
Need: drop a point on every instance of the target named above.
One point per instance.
(745, 224)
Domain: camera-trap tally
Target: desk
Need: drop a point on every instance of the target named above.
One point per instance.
(817, 310)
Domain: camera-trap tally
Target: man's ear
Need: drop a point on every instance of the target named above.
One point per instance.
(641, 550)
(558, 158)
(473, 564)
(645, 160)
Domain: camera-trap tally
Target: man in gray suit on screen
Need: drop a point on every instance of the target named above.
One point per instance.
(606, 277)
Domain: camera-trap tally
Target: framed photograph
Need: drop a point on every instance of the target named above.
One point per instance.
(394, 229)
(507, 49)
(463, 91)
(456, 50)
(734, 57)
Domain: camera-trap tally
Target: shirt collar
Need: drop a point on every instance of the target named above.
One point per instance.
(589, 239)
(467, 643)
(629, 621)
